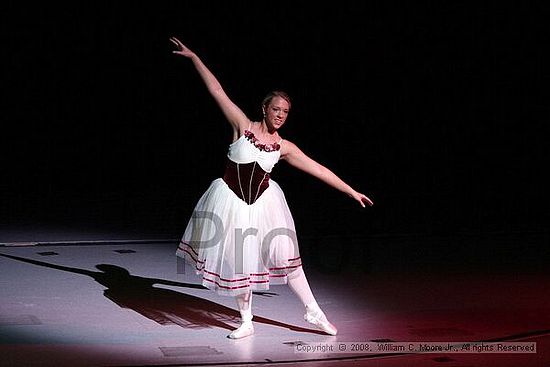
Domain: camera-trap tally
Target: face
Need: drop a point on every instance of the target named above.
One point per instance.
(276, 112)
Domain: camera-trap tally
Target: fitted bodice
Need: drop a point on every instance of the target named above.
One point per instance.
(249, 165)
(247, 149)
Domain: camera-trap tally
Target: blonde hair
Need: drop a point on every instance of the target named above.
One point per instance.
(276, 93)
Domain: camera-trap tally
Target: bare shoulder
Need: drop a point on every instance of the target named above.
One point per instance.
(241, 126)
(244, 124)
(287, 148)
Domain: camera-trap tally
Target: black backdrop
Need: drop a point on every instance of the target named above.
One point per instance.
(436, 111)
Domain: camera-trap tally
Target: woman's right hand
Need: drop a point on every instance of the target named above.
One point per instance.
(181, 48)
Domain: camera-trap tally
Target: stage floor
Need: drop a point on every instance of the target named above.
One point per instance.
(132, 304)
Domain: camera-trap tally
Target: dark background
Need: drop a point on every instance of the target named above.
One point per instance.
(438, 112)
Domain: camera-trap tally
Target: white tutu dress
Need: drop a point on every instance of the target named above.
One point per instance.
(241, 236)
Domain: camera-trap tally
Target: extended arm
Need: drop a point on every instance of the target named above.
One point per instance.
(231, 111)
(295, 157)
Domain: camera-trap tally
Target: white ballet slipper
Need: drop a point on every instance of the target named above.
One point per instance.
(246, 329)
(319, 319)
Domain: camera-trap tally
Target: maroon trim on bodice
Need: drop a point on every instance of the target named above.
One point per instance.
(247, 180)
(262, 146)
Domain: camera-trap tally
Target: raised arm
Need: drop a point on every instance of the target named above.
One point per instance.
(295, 157)
(232, 112)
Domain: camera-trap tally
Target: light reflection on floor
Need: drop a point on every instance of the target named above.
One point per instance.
(125, 304)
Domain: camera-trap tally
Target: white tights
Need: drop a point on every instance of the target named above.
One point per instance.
(297, 281)
(244, 302)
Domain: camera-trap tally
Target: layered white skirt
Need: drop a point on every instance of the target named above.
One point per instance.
(236, 247)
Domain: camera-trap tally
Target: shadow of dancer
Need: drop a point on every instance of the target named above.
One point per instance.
(164, 306)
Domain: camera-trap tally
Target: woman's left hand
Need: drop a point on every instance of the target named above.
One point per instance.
(362, 199)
